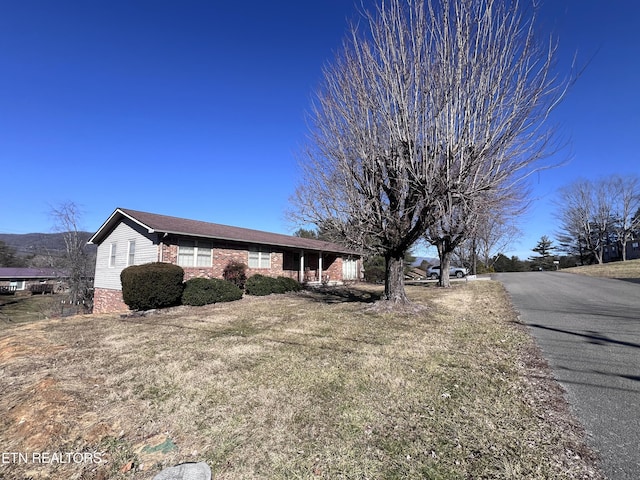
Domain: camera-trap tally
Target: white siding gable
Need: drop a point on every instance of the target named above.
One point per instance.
(108, 267)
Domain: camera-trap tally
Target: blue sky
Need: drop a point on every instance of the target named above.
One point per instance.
(196, 108)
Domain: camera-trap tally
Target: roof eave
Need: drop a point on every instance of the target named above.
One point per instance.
(273, 244)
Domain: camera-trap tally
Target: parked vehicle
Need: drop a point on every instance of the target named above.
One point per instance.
(458, 272)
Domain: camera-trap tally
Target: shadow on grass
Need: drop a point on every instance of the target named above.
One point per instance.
(334, 295)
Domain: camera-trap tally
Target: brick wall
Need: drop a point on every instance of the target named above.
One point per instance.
(106, 300)
(332, 266)
(222, 255)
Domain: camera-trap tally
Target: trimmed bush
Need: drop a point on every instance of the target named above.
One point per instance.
(204, 291)
(260, 285)
(289, 284)
(152, 285)
(236, 273)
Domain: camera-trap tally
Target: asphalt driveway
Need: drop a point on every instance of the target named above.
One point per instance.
(589, 332)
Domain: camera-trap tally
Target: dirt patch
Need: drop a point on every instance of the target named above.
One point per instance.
(29, 344)
(40, 415)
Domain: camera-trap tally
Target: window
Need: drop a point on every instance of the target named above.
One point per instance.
(291, 261)
(259, 259)
(203, 256)
(635, 245)
(131, 257)
(194, 254)
(112, 255)
(185, 255)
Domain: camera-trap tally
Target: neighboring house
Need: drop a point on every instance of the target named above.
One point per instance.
(613, 253)
(202, 249)
(18, 279)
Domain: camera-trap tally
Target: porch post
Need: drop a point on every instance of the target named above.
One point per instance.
(301, 275)
(320, 267)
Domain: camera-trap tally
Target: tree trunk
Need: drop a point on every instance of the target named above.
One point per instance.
(444, 252)
(394, 278)
(581, 250)
(599, 255)
(474, 257)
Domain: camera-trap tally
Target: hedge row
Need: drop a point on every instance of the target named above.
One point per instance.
(261, 285)
(159, 285)
(203, 291)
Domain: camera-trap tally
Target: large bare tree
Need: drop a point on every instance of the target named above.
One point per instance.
(435, 103)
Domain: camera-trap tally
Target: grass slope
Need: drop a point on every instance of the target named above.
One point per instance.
(628, 269)
(307, 385)
(24, 308)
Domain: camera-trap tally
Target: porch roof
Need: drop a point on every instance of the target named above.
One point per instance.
(14, 273)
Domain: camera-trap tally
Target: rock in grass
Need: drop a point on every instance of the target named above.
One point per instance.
(185, 471)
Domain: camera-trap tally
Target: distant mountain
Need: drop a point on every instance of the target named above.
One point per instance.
(29, 244)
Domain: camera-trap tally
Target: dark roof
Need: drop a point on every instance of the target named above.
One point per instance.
(155, 223)
(16, 273)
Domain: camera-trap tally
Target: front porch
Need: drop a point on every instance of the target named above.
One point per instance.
(313, 268)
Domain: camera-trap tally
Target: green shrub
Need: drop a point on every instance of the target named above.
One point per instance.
(152, 285)
(261, 285)
(289, 284)
(236, 273)
(204, 291)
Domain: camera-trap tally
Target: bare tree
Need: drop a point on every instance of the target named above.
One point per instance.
(603, 219)
(459, 223)
(77, 263)
(495, 231)
(597, 214)
(575, 211)
(439, 102)
(447, 233)
(626, 202)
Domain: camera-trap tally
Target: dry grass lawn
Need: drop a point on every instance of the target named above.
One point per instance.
(24, 307)
(627, 269)
(306, 385)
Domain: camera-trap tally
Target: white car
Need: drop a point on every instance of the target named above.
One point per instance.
(458, 272)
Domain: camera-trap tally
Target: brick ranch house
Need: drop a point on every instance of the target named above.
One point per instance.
(203, 249)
